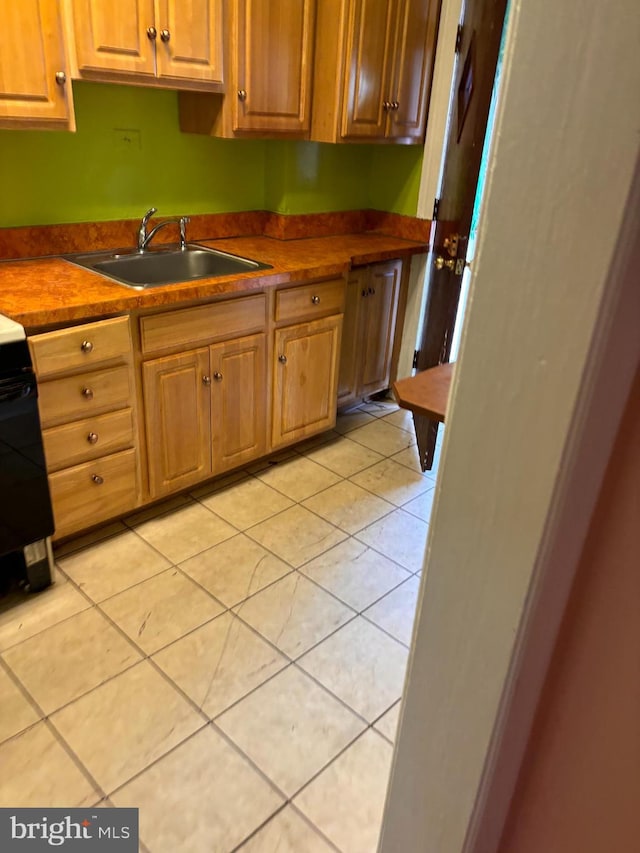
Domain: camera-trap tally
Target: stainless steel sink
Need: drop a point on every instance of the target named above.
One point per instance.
(157, 267)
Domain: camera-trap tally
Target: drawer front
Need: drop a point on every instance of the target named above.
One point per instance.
(192, 327)
(81, 347)
(87, 494)
(84, 395)
(87, 439)
(308, 301)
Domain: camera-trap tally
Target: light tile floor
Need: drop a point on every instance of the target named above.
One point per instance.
(231, 661)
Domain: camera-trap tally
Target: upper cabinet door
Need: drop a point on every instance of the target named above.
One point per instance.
(31, 55)
(413, 63)
(115, 36)
(189, 41)
(274, 43)
(370, 28)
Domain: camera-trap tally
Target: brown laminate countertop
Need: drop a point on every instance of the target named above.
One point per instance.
(48, 291)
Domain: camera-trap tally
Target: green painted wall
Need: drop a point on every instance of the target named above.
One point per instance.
(128, 154)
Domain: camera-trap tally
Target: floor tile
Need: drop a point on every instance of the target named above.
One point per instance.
(396, 611)
(400, 536)
(387, 725)
(355, 573)
(17, 712)
(121, 727)
(220, 663)
(346, 801)
(422, 505)
(25, 614)
(393, 482)
(352, 419)
(113, 565)
(37, 771)
(401, 418)
(348, 506)
(296, 535)
(298, 477)
(411, 459)
(294, 614)
(290, 727)
(185, 532)
(71, 658)
(361, 665)
(287, 832)
(202, 797)
(235, 569)
(344, 457)
(382, 437)
(246, 503)
(161, 609)
(157, 509)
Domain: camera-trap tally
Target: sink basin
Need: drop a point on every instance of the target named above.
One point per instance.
(165, 266)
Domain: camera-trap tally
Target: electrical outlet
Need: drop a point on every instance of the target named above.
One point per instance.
(126, 139)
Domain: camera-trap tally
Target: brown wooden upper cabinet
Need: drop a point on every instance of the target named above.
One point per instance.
(168, 43)
(269, 68)
(35, 89)
(373, 69)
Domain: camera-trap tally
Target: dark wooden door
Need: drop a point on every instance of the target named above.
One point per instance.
(472, 86)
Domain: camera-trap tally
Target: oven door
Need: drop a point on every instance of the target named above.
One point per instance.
(25, 504)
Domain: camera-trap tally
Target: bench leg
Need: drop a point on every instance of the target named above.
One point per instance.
(426, 435)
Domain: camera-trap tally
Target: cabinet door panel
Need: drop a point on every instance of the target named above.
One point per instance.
(274, 50)
(368, 68)
(31, 52)
(113, 36)
(380, 309)
(194, 48)
(413, 67)
(305, 379)
(177, 420)
(238, 401)
(349, 362)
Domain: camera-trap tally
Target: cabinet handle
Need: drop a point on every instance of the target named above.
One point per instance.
(386, 106)
(61, 78)
(395, 105)
(364, 292)
(87, 393)
(242, 94)
(372, 291)
(92, 438)
(86, 346)
(165, 35)
(206, 380)
(152, 33)
(217, 376)
(282, 359)
(97, 479)
(315, 300)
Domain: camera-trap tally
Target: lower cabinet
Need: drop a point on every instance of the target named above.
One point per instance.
(305, 379)
(205, 412)
(370, 321)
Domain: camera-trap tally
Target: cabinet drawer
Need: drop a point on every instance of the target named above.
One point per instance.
(87, 494)
(192, 327)
(80, 347)
(89, 438)
(310, 300)
(84, 395)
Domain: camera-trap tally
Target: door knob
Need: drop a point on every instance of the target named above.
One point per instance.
(165, 35)
(282, 359)
(152, 33)
(206, 380)
(242, 94)
(217, 376)
(441, 263)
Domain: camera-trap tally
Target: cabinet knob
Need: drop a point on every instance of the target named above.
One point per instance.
(92, 438)
(242, 94)
(165, 35)
(61, 78)
(395, 105)
(386, 106)
(315, 300)
(206, 380)
(87, 393)
(364, 292)
(97, 479)
(372, 291)
(282, 359)
(217, 376)
(441, 263)
(152, 33)
(86, 346)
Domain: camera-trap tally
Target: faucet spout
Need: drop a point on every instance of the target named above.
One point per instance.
(142, 229)
(144, 239)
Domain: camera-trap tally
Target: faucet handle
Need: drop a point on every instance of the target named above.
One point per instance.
(183, 231)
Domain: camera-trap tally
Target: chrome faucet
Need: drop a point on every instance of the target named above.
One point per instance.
(144, 239)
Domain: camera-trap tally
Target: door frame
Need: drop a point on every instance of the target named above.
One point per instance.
(519, 477)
